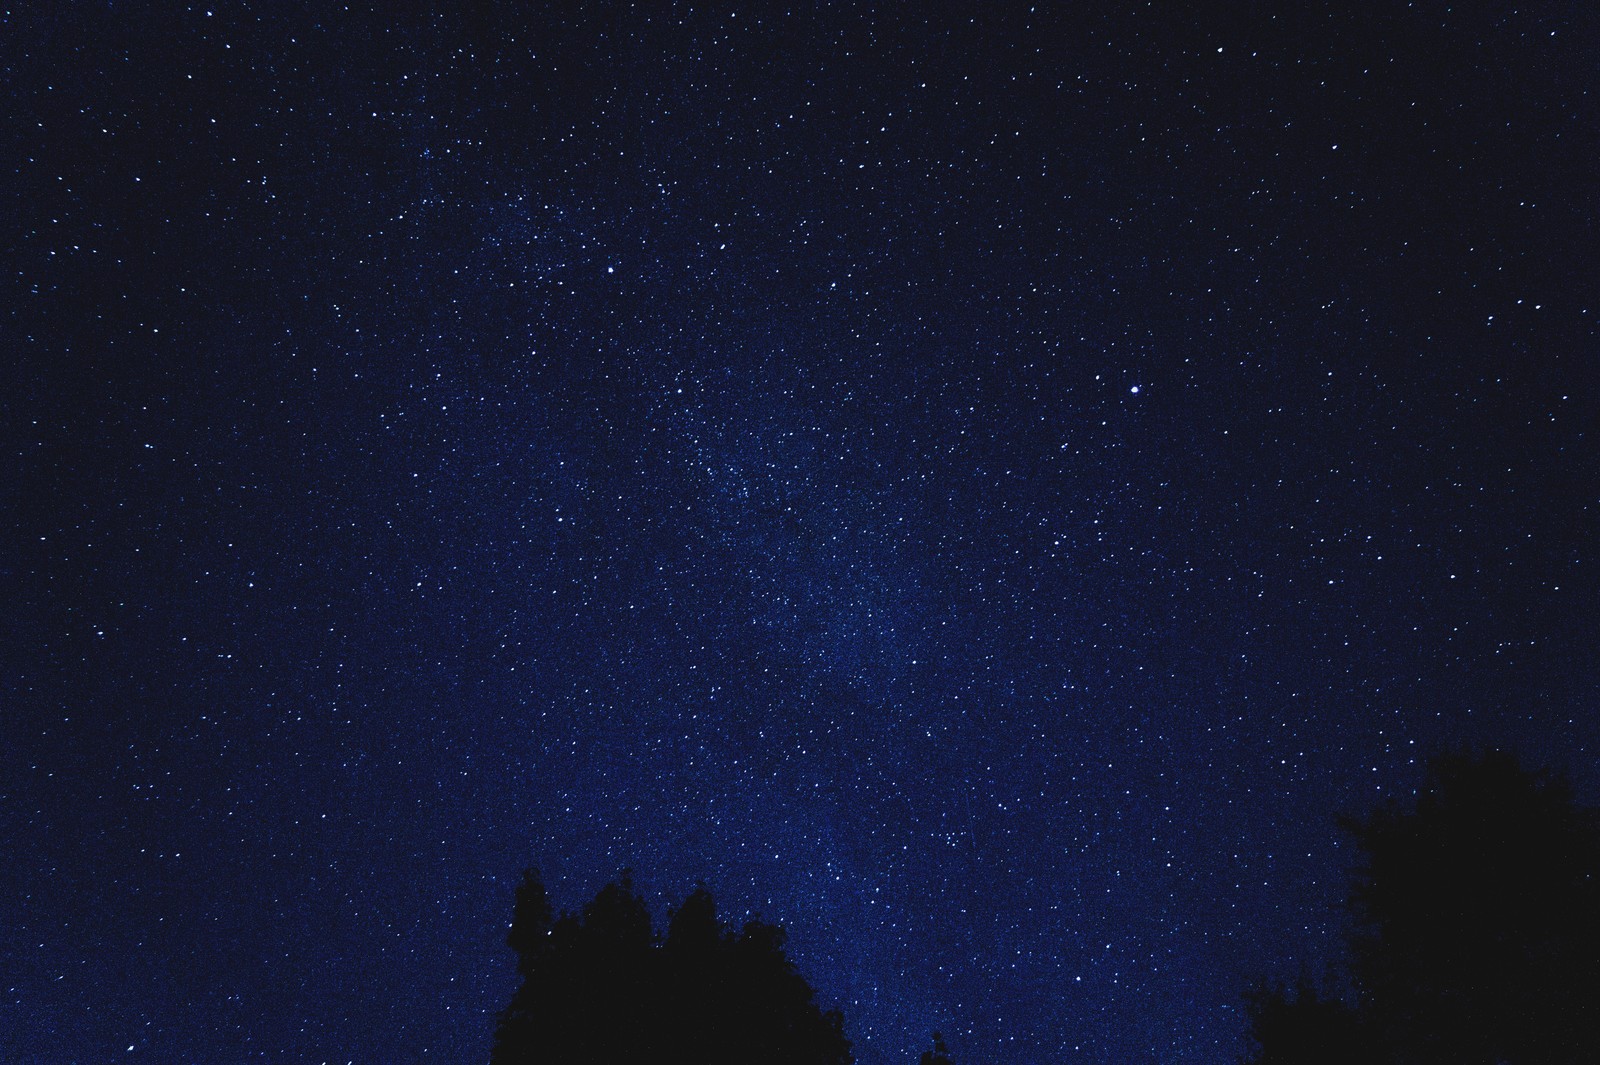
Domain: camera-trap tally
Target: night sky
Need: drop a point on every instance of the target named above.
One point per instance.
(983, 488)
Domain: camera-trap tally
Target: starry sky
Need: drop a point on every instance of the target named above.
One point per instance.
(982, 486)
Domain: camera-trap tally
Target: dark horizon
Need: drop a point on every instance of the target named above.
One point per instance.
(984, 491)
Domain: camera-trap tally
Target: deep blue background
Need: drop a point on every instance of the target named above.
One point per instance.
(984, 489)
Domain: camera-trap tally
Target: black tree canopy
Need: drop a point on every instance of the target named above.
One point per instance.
(1476, 933)
(602, 987)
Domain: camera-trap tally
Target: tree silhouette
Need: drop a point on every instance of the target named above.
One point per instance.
(602, 988)
(589, 973)
(1303, 1027)
(1476, 932)
(939, 1055)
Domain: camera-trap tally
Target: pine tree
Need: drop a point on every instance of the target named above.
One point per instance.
(1476, 933)
(602, 989)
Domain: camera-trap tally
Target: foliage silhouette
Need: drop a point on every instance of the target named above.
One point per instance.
(1476, 934)
(1303, 1027)
(603, 988)
(939, 1055)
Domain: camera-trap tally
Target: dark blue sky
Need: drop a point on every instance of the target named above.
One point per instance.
(982, 488)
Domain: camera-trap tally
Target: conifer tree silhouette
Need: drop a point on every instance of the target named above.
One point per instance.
(1303, 1027)
(602, 989)
(939, 1055)
(1476, 932)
